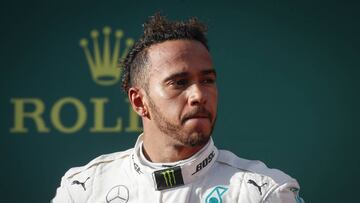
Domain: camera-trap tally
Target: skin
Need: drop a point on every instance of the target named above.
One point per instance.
(178, 107)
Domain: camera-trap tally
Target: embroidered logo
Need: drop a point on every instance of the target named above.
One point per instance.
(119, 193)
(204, 163)
(80, 183)
(256, 185)
(136, 166)
(168, 178)
(215, 196)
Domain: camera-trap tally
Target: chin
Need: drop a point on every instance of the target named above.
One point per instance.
(196, 139)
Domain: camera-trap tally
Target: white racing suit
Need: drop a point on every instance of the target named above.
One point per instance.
(209, 176)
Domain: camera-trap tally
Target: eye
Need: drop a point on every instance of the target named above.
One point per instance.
(181, 82)
(208, 81)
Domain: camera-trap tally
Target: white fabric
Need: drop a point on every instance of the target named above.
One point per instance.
(209, 176)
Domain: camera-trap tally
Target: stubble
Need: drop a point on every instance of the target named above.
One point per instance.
(176, 131)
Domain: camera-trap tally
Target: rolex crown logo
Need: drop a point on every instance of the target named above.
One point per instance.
(104, 66)
(169, 177)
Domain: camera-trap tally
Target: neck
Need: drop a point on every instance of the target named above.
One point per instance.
(160, 150)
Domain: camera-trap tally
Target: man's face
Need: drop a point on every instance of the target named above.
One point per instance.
(181, 93)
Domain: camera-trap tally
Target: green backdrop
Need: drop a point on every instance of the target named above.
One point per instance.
(287, 76)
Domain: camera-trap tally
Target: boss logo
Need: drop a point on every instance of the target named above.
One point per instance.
(205, 162)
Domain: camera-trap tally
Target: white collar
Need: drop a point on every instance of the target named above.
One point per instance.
(169, 175)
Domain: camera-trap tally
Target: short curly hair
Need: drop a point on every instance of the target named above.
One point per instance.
(156, 30)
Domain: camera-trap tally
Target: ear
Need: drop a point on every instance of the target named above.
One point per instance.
(136, 98)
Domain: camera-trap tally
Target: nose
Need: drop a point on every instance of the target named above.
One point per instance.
(197, 95)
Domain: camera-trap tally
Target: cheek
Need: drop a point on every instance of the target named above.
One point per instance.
(175, 105)
(213, 96)
(161, 92)
(170, 103)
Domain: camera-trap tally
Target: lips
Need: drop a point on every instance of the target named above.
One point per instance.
(197, 113)
(198, 116)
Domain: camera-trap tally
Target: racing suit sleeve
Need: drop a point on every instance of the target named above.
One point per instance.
(62, 194)
(285, 193)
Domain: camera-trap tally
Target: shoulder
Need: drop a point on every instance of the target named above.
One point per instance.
(76, 184)
(102, 160)
(252, 166)
(258, 181)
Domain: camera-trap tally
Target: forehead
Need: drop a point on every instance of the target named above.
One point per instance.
(178, 56)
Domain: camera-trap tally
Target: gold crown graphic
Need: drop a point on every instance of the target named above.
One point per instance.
(103, 67)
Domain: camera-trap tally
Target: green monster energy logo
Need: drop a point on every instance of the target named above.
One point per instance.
(169, 177)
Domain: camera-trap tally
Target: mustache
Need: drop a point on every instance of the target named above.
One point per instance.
(196, 112)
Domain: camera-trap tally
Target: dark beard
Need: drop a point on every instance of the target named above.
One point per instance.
(175, 131)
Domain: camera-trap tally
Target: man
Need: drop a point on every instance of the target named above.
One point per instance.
(170, 81)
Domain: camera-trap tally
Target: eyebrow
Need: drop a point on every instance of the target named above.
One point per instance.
(185, 74)
(209, 72)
